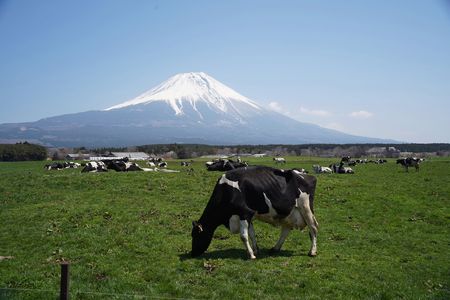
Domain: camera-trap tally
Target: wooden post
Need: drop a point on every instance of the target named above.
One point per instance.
(64, 287)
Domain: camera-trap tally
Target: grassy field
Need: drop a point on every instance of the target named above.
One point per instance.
(383, 234)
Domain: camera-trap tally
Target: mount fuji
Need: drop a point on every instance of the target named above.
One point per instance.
(186, 108)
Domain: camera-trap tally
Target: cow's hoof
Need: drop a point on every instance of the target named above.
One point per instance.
(274, 251)
(312, 254)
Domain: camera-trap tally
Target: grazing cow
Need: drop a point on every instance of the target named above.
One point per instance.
(279, 160)
(162, 164)
(409, 162)
(185, 164)
(224, 165)
(318, 169)
(282, 198)
(95, 166)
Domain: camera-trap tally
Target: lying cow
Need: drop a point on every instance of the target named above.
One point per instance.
(95, 166)
(54, 166)
(279, 160)
(345, 158)
(409, 162)
(341, 169)
(121, 165)
(319, 169)
(282, 198)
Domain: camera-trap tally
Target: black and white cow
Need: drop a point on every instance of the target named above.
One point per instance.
(345, 158)
(319, 169)
(341, 169)
(282, 198)
(279, 160)
(409, 162)
(156, 159)
(185, 164)
(95, 166)
(54, 166)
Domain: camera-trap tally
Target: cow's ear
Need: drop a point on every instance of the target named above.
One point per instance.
(197, 225)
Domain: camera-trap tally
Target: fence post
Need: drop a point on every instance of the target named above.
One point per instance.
(64, 287)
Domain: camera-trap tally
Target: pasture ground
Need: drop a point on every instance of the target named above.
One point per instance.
(383, 234)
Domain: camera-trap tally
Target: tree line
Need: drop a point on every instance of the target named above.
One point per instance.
(22, 152)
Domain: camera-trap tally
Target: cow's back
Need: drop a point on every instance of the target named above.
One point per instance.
(281, 187)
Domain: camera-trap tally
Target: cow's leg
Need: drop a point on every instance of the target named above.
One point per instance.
(310, 220)
(244, 224)
(284, 233)
(251, 232)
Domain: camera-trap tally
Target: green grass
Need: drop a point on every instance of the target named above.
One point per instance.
(383, 234)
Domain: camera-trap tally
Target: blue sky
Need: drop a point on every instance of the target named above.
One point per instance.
(372, 68)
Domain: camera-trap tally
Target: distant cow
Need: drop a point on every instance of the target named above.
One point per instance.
(318, 169)
(162, 164)
(282, 198)
(122, 165)
(341, 169)
(409, 162)
(345, 158)
(71, 164)
(156, 159)
(279, 160)
(54, 166)
(301, 170)
(185, 164)
(95, 166)
(379, 161)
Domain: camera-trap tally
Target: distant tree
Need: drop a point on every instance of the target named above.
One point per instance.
(22, 152)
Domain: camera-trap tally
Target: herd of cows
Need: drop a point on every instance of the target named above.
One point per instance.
(222, 164)
(280, 197)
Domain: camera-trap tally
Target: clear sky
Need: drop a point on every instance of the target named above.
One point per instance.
(372, 68)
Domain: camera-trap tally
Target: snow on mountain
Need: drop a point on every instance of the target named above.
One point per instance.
(191, 89)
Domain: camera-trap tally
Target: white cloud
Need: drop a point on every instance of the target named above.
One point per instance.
(362, 114)
(320, 113)
(276, 107)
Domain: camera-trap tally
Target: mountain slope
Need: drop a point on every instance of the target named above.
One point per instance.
(187, 108)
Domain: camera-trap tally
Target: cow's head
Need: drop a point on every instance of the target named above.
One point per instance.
(201, 238)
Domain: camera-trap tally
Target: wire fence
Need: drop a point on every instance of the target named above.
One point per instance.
(36, 294)
(65, 293)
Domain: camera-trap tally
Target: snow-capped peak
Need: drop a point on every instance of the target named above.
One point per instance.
(193, 87)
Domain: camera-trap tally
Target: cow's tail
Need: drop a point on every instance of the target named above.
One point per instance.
(311, 197)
